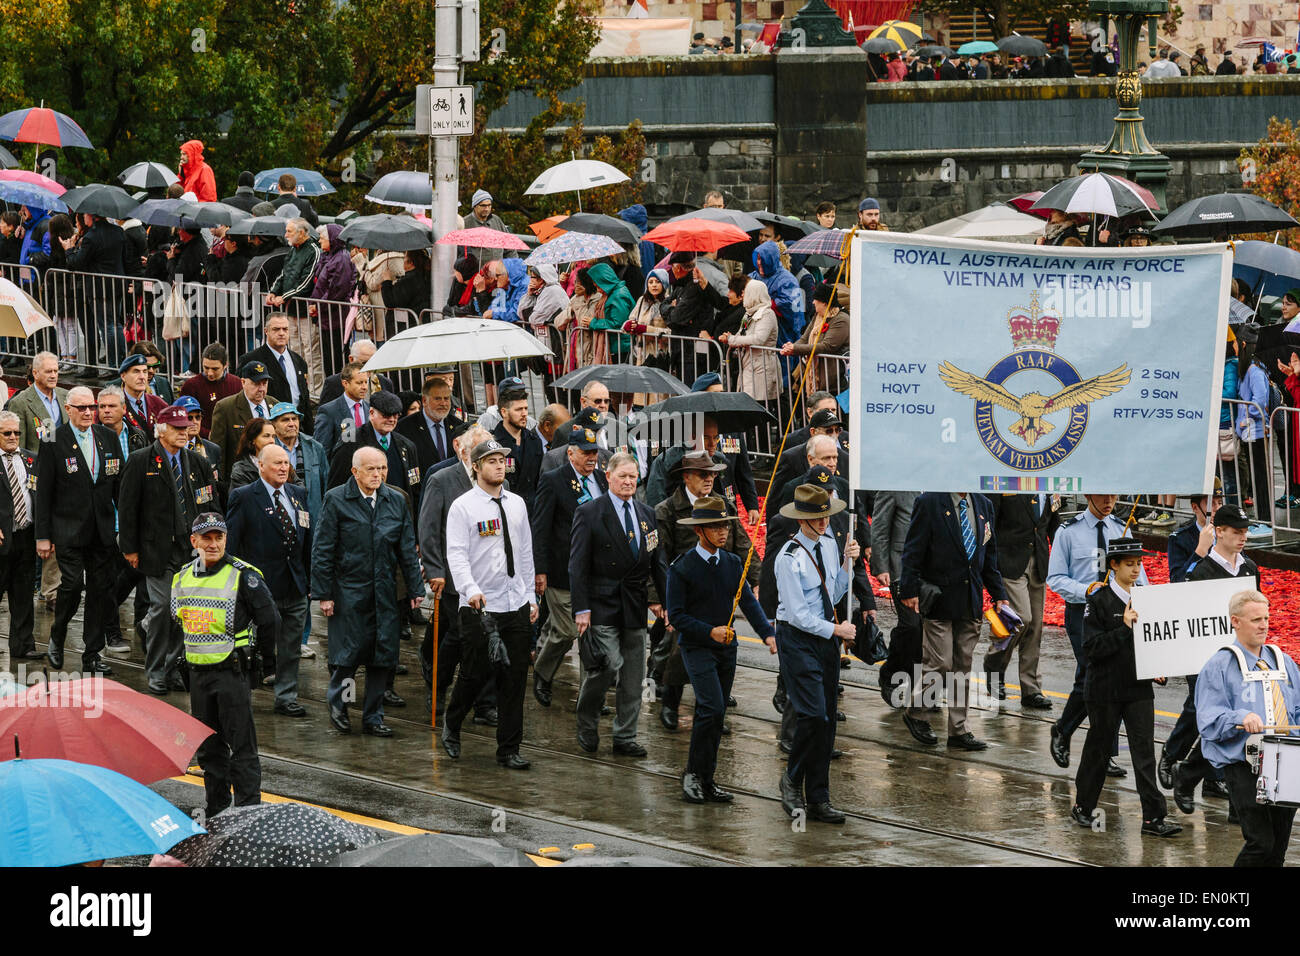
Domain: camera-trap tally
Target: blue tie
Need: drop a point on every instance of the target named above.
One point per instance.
(967, 532)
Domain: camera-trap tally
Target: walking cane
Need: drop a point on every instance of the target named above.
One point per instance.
(433, 706)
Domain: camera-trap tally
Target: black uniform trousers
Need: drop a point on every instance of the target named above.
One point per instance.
(1139, 719)
(900, 669)
(1266, 828)
(811, 668)
(1184, 742)
(476, 669)
(450, 648)
(220, 697)
(17, 579)
(712, 671)
(93, 561)
(343, 676)
(125, 580)
(1076, 707)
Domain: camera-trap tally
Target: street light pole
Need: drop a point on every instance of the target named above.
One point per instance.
(446, 172)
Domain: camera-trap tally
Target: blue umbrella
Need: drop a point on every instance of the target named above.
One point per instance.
(58, 813)
(573, 247)
(26, 194)
(310, 182)
(976, 47)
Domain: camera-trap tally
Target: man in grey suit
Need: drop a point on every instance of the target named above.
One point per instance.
(889, 520)
(348, 413)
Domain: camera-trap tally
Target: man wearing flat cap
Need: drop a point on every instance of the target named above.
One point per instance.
(232, 413)
(165, 487)
(702, 586)
(811, 578)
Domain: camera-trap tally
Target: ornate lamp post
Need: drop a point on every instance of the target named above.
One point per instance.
(821, 26)
(1129, 153)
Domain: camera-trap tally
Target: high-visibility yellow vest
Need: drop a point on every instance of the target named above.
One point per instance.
(205, 606)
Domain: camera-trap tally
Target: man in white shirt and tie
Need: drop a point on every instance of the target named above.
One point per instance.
(287, 368)
(490, 557)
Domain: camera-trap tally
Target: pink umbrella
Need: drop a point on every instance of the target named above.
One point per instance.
(35, 179)
(1025, 203)
(481, 237)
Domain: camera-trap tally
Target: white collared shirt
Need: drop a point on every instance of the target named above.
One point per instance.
(476, 559)
(587, 481)
(290, 373)
(284, 499)
(20, 471)
(1233, 567)
(258, 410)
(1123, 595)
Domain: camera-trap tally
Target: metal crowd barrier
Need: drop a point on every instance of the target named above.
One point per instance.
(1284, 429)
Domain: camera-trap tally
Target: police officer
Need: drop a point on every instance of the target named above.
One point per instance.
(810, 580)
(1077, 561)
(1230, 708)
(702, 585)
(222, 605)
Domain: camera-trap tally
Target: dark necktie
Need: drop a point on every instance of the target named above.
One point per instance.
(287, 529)
(180, 483)
(289, 382)
(437, 440)
(821, 568)
(1101, 552)
(713, 560)
(967, 532)
(383, 442)
(628, 525)
(505, 534)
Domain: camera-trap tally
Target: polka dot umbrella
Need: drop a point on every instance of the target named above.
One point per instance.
(273, 834)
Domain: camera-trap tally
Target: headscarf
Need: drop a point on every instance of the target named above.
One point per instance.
(466, 266)
(756, 296)
(549, 301)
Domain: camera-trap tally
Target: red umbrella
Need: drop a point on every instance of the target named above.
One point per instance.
(695, 235)
(481, 237)
(101, 722)
(43, 126)
(1025, 203)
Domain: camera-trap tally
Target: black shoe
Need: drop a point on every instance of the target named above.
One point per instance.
(1060, 748)
(715, 794)
(339, 718)
(291, 709)
(488, 718)
(668, 716)
(450, 743)
(993, 681)
(541, 690)
(175, 683)
(633, 749)
(966, 741)
(513, 762)
(1184, 789)
(1165, 770)
(1036, 702)
(692, 789)
(117, 647)
(1214, 788)
(589, 743)
(98, 667)
(377, 730)
(55, 658)
(824, 813)
(779, 700)
(920, 729)
(841, 716)
(1081, 817)
(1115, 770)
(726, 727)
(836, 754)
(606, 710)
(401, 669)
(1161, 828)
(392, 700)
(785, 746)
(731, 702)
(791, 798)
(32, 655)
(158, 690)
(406, 632)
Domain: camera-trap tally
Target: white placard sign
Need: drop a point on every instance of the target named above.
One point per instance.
(451, 111)
(1180, 626)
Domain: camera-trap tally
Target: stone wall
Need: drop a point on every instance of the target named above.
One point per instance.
(686, 167)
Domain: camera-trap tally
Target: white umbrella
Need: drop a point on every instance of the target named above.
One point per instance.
(994, 221)
(20, 314)
(448, 341)
(575, 176)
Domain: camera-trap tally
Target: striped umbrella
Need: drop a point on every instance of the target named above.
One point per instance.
(1099, 194)
(829, 242)
(147, 176)
(573, 247)
(902, 32)
(43, 126)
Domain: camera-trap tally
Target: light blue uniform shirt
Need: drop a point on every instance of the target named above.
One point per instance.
(1073, 564)
(618, 504)
(799, 586)
(1224, 698)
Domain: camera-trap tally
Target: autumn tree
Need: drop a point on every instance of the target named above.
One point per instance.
(1271, 169)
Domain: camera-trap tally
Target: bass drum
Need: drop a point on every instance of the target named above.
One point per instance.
(1279, 771)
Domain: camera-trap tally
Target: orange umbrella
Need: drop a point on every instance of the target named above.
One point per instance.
(695, 235)
(546, 229)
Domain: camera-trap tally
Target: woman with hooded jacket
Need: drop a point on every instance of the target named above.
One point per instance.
(787, 297)
(760, 373)
(336, 281)
(646, 321)
(613, 310)
(460, 300)
(574, 322)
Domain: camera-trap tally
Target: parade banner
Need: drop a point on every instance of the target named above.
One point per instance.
(997, 367)
(1180, 626)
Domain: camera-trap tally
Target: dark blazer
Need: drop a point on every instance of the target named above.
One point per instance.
(152, 406)
(72, 508)
(1021, 536)
(7, 505)
(255, 536)
(403, 463)
(212, 452)
(933, 552)
(333, 387)
(229, 416)
(150, 521)
(416, 429)
(278, 385)
(331, 416)
(443, 485)
(700, 597)
(740, 475)
(523, 461)
(605, 576)
(1207, 569)
(558, 455)
(1108, 644)
(551, 517)
(1182, 551)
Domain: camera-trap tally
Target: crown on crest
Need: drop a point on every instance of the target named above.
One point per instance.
(1032, 328)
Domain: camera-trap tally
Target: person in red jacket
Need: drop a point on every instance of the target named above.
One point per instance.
(196, 175)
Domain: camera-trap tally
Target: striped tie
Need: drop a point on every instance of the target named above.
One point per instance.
(16, 491)
(967, 532)
(1280, 721)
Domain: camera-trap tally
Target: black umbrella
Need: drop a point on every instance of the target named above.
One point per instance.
(258, 226)
(209, 214)
(1231, 213)
(881, 45)
(435, 849)
(733, 411)
(257, 266)
(387, 232)
(1266, 257)
(147, 176)
(624, 378)
(163, 212)
(741, 220)
(402, 188)
(98, 199)
(1017, 45)
(933, 50)
(273, 834)
(7, 159)
(786, 228)
(597, 224)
